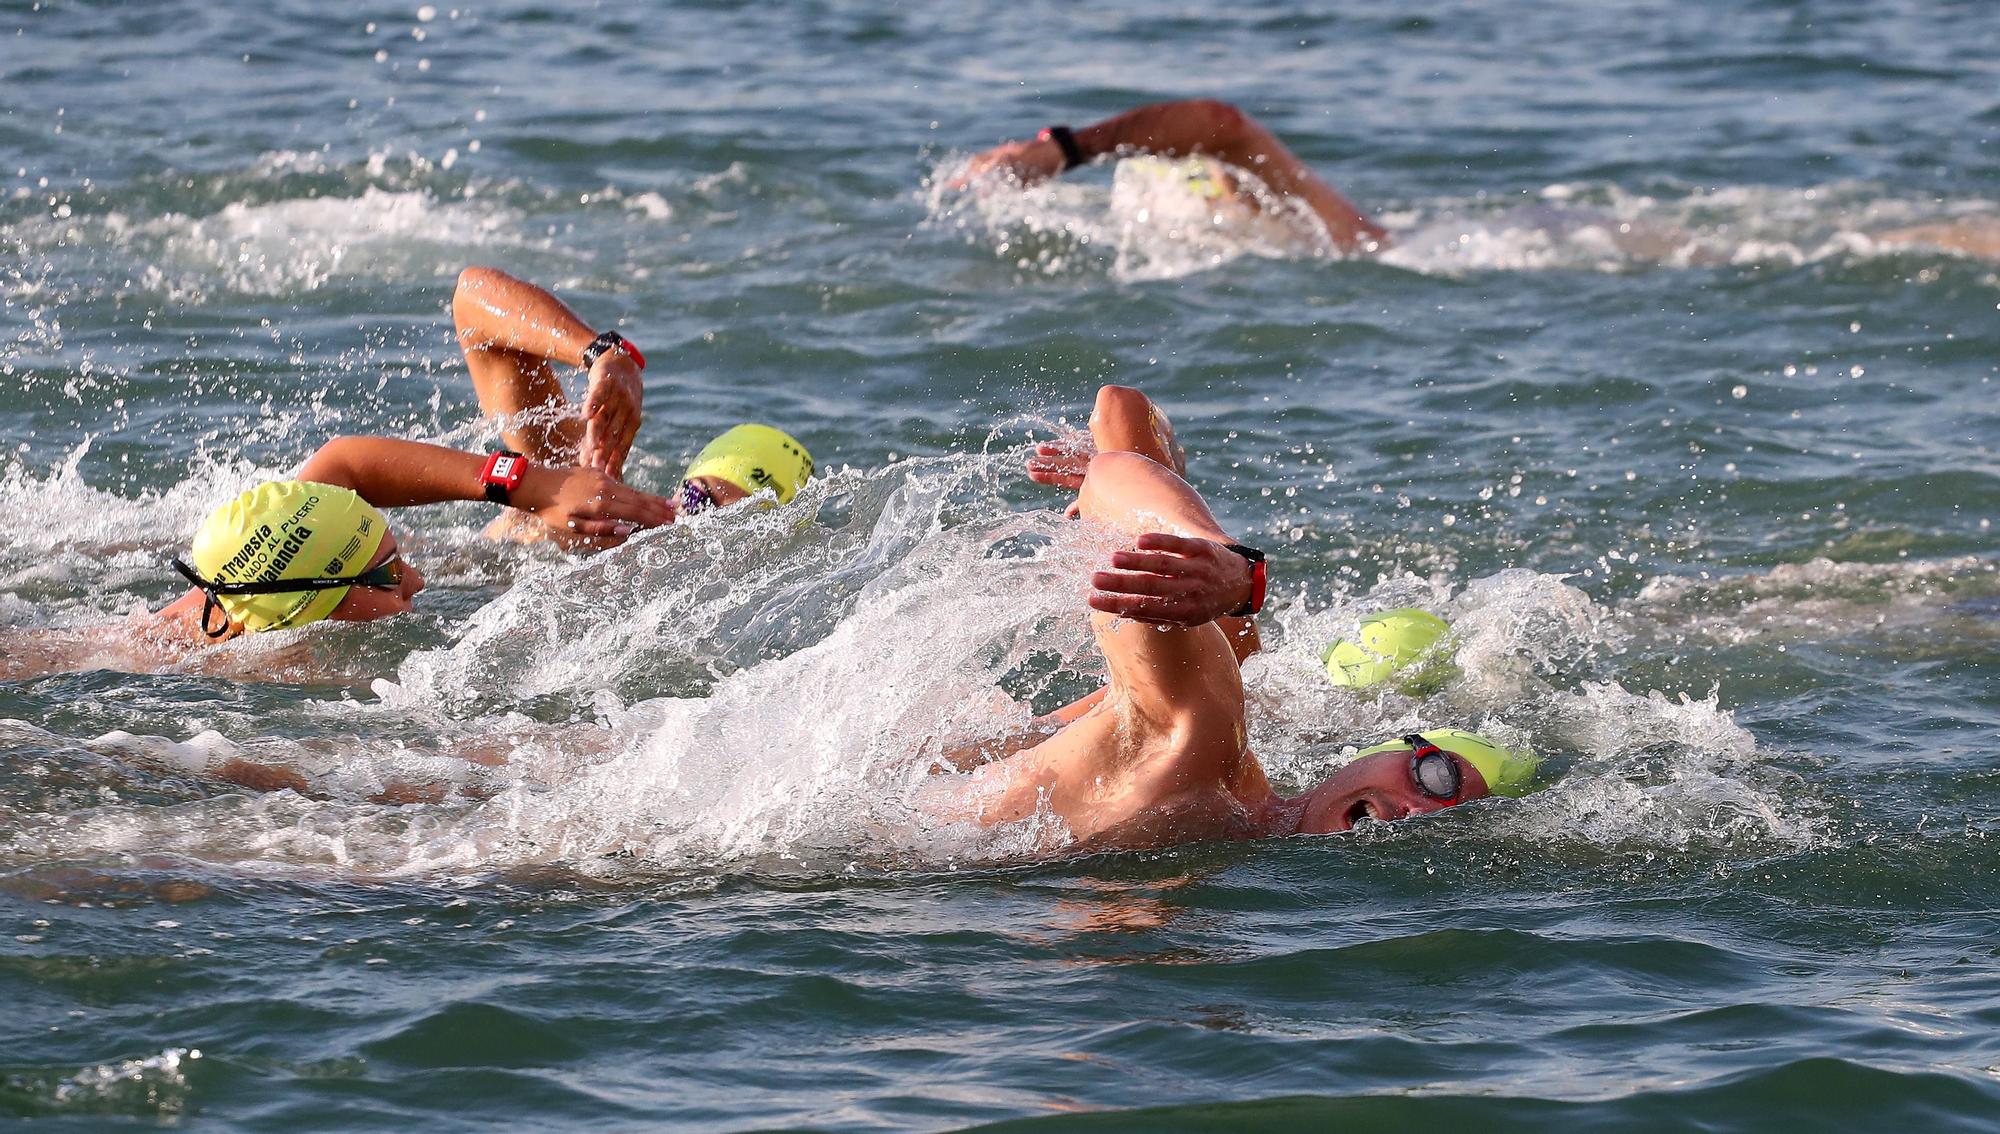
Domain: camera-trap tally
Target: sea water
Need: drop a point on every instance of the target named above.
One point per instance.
(1699, 467)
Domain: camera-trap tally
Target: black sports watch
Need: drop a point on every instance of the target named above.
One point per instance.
(1259, 580)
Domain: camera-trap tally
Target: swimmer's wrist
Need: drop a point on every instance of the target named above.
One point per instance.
(1073, 153)
(502, 475)
(1256, 583)
(609, 340)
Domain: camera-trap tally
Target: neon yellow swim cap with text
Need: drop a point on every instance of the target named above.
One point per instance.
(754, 457)
(287, 529)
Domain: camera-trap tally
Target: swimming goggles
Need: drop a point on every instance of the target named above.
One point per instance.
(384, 576)
(1435, 772)
(695, 497)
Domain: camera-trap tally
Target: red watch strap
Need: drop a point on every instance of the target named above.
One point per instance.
(608, 340)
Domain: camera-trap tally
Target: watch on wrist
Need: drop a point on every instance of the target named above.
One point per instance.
(1065, 140)
(1259, 580)
(502, 475)
(605, 342)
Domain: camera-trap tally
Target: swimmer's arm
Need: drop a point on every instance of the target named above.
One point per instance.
(510, 331)
(392, 473)
(1197, 126)
(1164, 578)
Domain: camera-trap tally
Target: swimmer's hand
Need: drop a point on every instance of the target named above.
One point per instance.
(589, 502)
(1027, 163)
(611, 413)
(1061, 464)
(1172, 580)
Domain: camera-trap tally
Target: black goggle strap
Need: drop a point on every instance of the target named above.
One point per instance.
(212, 592)
(367, 578)
(211, 599)
(1422, 750)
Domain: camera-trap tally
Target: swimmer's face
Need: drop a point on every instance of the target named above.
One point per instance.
(366, 604)
(1380, 787)
(721, 493)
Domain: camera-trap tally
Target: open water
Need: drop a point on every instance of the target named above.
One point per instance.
(1703, 473)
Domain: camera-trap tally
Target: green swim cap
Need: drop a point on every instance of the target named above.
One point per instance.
(1507, 771)
(753, 457)
(1389, 642)
(287, 529)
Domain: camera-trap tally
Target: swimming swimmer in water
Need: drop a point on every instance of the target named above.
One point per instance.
(1160, 755)
(512, 333)
(292, 552)
(1212, 157)
(1240, 162)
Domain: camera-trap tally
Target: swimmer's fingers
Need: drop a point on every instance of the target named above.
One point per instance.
(1120, 599)
(1024, 162)
(604, 448)
(1060, 464)
(611, 412)
(1175, 579)
(589, 502)
(627, 506)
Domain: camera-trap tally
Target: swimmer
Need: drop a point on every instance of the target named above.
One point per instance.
(513, 333)
(1159, 755)
(316, 547)
(1974, 237)
(1232, 159)
(1162, 755)
(1208, 158)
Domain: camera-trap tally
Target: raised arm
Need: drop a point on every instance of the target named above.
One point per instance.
(1193, 127)
(1166, 576)
(511, 331)
(391, 473)
(1171, 671)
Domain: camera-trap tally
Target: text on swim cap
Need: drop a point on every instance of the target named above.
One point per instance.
(248, 551)
(287, 551)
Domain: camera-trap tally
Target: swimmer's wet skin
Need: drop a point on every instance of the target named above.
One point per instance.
(1192, 128)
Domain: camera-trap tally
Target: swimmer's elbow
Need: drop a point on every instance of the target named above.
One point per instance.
(476, 277)
(1115, 400)
(476, 286)
(1220, 122)
(334, 462)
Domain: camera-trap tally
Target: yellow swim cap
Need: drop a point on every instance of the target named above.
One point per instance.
(1507, 771)
(1389, 643)
(1195, 175)
(287, 529)
(753, 457)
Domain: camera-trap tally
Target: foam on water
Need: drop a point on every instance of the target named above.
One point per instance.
(153, 1086)
(776, 689)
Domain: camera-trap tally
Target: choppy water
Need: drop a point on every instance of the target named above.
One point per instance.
(1710, 507)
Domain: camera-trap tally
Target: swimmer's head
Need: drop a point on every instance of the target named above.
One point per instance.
(750, 458)
(1422, 772)
(1195, 176)
(282, 532)
(1174, 192)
